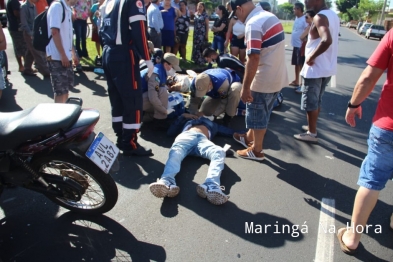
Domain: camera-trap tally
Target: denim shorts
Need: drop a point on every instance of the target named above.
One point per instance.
(377, 167)
(312, 92)
(258, 112)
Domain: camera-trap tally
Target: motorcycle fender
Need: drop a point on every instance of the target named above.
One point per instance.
(80, 147)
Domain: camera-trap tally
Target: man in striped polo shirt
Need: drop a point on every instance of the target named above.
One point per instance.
(265, 73)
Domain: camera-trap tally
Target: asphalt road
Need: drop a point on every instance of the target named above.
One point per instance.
(290, 188)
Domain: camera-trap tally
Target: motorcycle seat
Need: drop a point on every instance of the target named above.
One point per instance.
(43, 119)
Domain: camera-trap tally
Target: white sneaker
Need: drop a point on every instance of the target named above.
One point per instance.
(163, 188)
(307, 137)
(305, 128)
(213, 193)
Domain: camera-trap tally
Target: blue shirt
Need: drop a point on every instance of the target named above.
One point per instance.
(115, 31)
(218, 76)
(154, 18)
(168, 18)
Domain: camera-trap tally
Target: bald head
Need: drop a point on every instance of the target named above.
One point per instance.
(244, 10)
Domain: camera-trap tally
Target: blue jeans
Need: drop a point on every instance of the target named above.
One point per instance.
(196, 144)
(377, 167)
(80, 29)
(218, 43)
(258, 112)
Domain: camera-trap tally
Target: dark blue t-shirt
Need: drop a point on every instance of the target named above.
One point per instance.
(13, 23)
(168, 18)
(131, 11)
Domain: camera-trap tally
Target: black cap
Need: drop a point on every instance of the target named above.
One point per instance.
(235, 3)
(265, 6)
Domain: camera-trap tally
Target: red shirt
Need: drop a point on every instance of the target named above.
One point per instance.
(382, 59)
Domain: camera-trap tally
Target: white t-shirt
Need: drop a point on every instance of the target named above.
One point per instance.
(54, 17)
(298, 28)
(326, 63)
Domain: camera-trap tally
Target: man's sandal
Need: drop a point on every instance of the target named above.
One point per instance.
(293, 84)
(343, 247)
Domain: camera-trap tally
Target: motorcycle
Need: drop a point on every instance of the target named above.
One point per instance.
(52, 149)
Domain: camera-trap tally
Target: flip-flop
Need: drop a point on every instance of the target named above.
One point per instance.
(343, 247)
(293, 84)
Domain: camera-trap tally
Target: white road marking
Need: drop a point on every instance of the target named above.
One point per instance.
(325, 242)
(333, 82)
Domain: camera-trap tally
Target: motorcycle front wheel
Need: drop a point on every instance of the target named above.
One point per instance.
(100, 190)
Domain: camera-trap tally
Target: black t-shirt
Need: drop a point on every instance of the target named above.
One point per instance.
(13, 22)
(218, 23)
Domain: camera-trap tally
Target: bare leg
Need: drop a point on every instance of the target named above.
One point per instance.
(365, 201)
(176, 48)
(61, 98)
(20, 64)
(312, 117)
(259, 135)
(234, 51)
(183, 51)
(98, 47)
(242, 55)
(167, 49)
(297, 72)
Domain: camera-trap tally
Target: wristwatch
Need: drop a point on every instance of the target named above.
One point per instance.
(352, 106)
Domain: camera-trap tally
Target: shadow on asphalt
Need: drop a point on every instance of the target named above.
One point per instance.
(319, 187)
(7, 101)
(353, 61)
(81, 81)
(41, 86)
(73, 237)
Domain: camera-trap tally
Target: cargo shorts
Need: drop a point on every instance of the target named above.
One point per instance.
(62, 78)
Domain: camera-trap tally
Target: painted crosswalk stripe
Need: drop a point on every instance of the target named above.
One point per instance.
(325, 242)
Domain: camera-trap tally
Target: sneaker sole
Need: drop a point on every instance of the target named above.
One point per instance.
(216, 198)
(240, 142)
(213, 197)
(161, 191)
(201, 191)
(252, 158)
(308, 141)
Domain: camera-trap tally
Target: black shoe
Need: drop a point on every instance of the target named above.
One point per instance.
(139, 151)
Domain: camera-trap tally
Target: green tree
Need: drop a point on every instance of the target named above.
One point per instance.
(285, 11)
(344, 5)
(370, 6)
(356, 13)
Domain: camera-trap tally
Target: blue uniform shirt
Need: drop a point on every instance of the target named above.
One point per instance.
(115, 30)
(218, 77)
(159, 73)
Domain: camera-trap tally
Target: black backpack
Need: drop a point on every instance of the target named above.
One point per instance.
(40, 30)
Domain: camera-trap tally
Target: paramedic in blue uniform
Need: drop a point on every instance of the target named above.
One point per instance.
(155, 91)
(222, 88)
(123, 37)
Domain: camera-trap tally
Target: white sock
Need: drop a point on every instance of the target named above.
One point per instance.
(311, 134)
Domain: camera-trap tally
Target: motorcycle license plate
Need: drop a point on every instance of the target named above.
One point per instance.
(102, 152)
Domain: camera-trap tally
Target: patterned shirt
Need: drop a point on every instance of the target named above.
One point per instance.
(182, 24)
(81, 9)
(265, 36)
